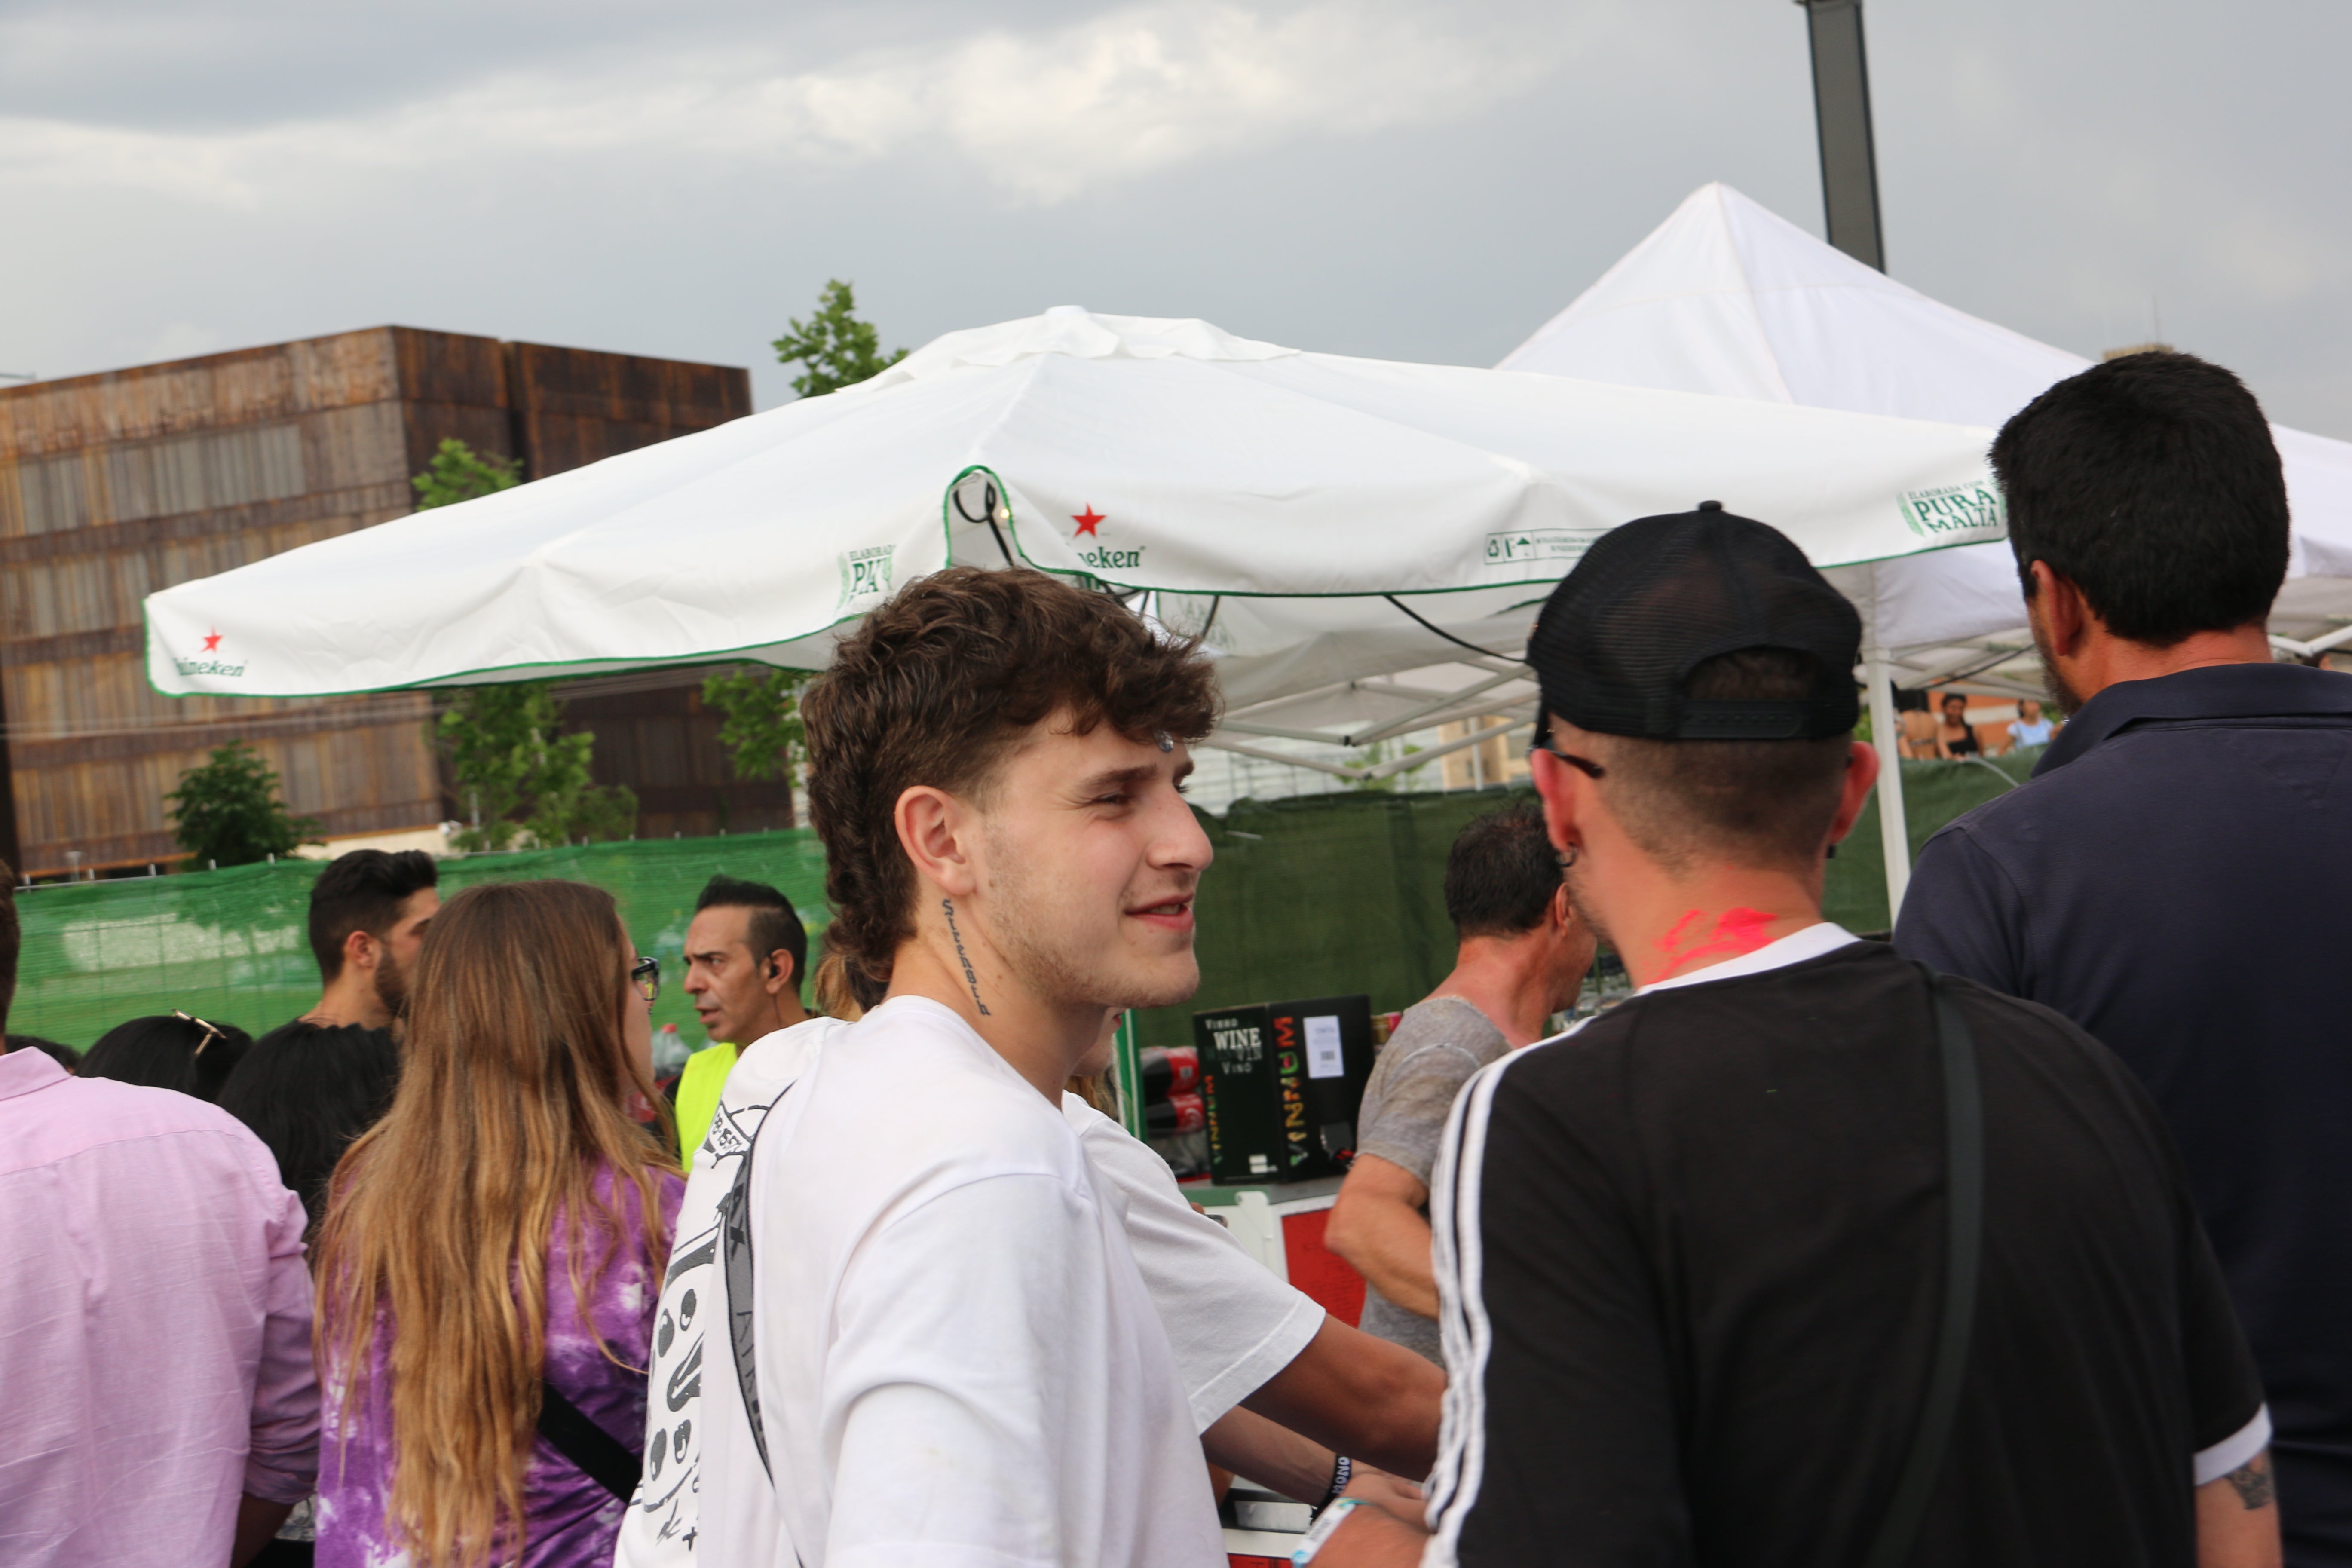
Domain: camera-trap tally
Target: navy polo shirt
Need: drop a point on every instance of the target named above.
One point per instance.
(2175, 877)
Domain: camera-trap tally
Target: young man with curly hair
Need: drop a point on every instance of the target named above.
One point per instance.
(943, 1348)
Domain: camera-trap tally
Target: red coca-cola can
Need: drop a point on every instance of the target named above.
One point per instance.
(1168, 1069)
(1180, 1113)
(1183, 1069)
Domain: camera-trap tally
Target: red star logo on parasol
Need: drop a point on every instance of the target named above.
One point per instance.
(1087, 521)
(211, 642)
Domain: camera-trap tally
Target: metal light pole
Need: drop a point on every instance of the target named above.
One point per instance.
(1841, 114)
(1850, 203)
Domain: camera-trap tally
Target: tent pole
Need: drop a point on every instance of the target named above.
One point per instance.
(1894, 829)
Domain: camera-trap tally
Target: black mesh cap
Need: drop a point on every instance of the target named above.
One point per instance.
(1653, 600)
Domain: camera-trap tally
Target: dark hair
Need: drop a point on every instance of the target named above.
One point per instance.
(1501, 874)
(1754, 803)
(935, 688)
(12, 940)
(774, 923)
(307, 1090)
(1949, 698)
(363, 890)
(66, 1056)
(168, 1052)
(2151, 483)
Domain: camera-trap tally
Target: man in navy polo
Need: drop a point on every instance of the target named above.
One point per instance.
(2170, 878)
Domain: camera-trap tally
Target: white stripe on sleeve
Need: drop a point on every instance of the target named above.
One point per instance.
(1465, 1332)
(2239, 1448)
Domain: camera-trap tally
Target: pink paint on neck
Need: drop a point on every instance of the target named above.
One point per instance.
(1675, 934)
(1737, 932)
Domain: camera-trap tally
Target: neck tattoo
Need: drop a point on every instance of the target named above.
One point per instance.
(970, 978)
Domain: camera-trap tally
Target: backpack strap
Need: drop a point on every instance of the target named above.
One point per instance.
(595, 1452)
(1963, 1255)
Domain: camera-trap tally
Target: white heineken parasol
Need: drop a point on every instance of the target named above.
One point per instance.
(1325, 522)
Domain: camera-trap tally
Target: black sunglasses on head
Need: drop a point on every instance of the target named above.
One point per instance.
(211, 1031)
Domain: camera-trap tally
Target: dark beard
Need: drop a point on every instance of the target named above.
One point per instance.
(392, 986)
(2063, 697)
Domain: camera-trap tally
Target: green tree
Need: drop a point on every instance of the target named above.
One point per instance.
(834, 348)
(762, 728)
(458, 473)
(228, 812)
(516, 770)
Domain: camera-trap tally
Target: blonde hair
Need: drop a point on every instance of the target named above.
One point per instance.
(514, 1089)
(837, 990)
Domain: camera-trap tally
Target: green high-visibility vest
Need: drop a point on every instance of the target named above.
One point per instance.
(697, 1096)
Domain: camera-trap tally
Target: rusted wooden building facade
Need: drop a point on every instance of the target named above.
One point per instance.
(114, 486)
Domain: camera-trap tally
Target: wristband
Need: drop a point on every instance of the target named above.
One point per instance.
(1326, 1524)
(1343, 1469)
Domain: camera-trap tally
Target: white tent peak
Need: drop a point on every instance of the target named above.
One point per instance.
(1078, 332)
(1728, 297)
(1720, 241)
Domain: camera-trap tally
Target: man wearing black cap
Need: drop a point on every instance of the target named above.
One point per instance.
(1800, 1256)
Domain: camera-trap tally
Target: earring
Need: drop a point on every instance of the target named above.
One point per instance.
(1566, 858)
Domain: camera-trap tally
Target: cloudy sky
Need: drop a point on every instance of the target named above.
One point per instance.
(1417, 179)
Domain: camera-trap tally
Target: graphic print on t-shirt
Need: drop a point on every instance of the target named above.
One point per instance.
(665, 1504)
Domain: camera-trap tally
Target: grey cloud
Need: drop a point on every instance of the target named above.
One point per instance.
(2048, 167)
(2057, 168)
(154, 64)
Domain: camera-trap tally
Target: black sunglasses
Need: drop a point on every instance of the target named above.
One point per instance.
(1584, 764)
(645, 975)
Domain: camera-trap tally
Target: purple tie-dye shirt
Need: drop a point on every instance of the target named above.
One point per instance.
(571, 1521)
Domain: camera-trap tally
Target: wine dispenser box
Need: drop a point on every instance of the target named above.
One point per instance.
(1283, 1083)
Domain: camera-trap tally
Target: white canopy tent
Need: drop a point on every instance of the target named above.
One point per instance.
(1725, 297)
(1328, 524)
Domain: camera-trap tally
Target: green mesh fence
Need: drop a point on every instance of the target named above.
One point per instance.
(1322, 895)
(1325, 895)
(1933, 794)
(230, 945)
(1329, 895)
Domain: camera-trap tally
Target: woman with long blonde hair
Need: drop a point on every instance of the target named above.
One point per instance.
(493, 1248)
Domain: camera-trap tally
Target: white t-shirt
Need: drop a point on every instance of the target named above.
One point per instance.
(1230, 1322)
(2034, 734)
(659, 1528)
(958, 1363)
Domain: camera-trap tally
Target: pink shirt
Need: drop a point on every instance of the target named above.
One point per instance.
(154, 1324)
